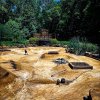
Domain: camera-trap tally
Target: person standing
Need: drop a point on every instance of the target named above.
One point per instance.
(26, 53)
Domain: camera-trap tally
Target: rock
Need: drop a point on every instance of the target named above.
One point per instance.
(71, 50)
(63, 80)
(65, 46)
(89, 54)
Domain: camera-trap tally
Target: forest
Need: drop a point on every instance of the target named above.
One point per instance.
(65, 19)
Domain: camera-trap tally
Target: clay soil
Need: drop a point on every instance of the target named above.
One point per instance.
(34, 76)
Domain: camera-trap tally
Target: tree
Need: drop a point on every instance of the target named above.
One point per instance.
(50, 16)
(79, 18)
(12, 30)
(29, 9)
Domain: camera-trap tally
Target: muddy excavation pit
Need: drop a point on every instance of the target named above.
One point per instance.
(80, 65)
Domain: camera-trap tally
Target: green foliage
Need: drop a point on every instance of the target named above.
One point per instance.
(29, 12)
(24, 33)
(80, 46)
(12, 30)
(8, 43)
(24, 42)
(62, 43)
(33, 40)
(50, 16)
(54, 41)
(11, 43)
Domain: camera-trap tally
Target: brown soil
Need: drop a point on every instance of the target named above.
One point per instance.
(36, 75)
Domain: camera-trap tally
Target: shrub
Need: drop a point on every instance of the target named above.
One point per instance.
(54, 41)
(25, 42)
(12, 30)
(7, 43)
(62, 43)
(33, 40)
(80, 46)
(11, 43)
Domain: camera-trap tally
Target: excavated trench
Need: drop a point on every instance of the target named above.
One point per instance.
(34, 76)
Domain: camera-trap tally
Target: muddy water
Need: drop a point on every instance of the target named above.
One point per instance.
(36, 76)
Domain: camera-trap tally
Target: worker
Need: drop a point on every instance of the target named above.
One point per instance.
(26, 53)
(58, 82)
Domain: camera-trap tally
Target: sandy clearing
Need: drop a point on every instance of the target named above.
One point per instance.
(34, 81)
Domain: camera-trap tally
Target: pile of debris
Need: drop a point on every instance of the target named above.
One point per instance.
(90, 54)
(60, 61)
(69, 50)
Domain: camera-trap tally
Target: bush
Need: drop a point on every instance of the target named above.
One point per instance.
(8, 43)
(25, 42)
(54, 41)
(12, 30)
(64, 43)
(80, 46)
(11, 43)
(33, 40)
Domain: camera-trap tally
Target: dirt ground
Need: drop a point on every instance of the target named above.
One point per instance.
(34, 76)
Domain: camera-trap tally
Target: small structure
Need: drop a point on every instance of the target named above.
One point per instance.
(44, 35)
(80, 65)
